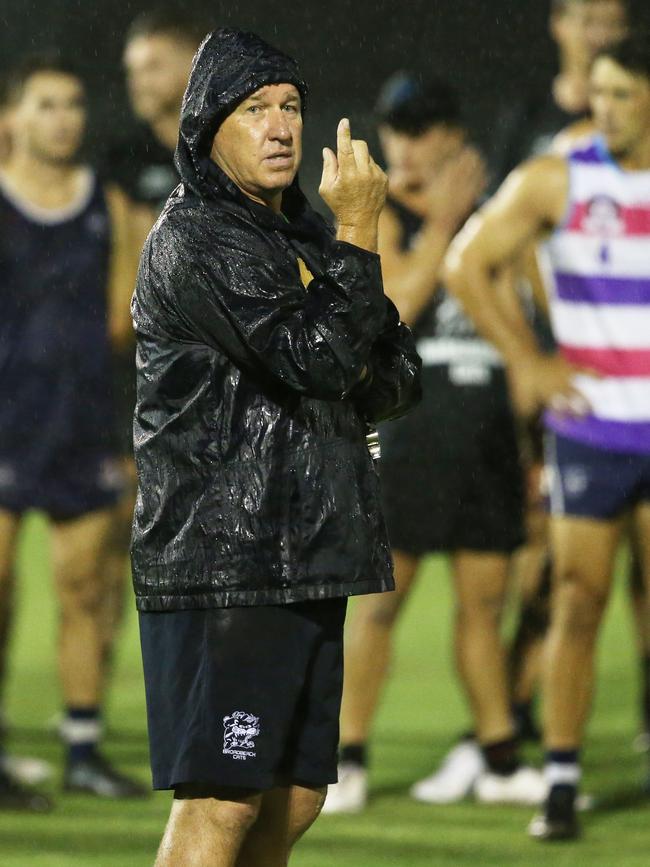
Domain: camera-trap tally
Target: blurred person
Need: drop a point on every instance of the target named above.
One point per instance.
(265, 346)
(451, 475)
(529, 127)
(67, 272)
(590, 209)
(158, 51)
(580, 29)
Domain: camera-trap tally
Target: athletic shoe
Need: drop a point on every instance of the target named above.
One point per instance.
(455, 778)
(525, 786)
(558, 821)
(350, 794)
(26, 770)
(95, 776)
(13, 796)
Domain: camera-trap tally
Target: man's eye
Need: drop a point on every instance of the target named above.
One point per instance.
(253, 109)
(291, 108)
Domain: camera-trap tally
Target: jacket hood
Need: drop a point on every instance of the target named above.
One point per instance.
(228, 66)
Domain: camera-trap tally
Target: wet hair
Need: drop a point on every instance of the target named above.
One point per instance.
(632, 54)
(560, 6)
(33, 64)
(411, 105)
(168, 21)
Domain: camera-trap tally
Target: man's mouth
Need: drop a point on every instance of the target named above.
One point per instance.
(281, 160)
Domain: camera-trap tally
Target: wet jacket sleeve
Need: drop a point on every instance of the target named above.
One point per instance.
(393, 384)
(238, 298)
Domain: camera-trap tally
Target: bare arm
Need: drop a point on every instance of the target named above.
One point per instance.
(411, 277)
(123, 267)
(530, 203)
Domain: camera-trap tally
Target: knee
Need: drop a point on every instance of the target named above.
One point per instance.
(579, 607)
(233, 818)
(305, 816)
(383, 610)
(79, 596)
(483, 610)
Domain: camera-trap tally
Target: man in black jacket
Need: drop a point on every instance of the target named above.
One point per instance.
(265, 348)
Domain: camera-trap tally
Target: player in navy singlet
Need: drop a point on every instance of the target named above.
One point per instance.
(66, 273)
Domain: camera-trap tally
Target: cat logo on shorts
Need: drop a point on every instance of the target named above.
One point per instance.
(239, 732)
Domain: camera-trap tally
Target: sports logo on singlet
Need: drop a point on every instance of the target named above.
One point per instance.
(239, 732)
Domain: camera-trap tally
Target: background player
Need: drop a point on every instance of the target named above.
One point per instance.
(593, 209)
(66, 276)
(451, 476)
(158, 53)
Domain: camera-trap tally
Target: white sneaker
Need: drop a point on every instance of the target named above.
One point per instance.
(455, 778)
(26, 770)
(350, 794)
(526, 786)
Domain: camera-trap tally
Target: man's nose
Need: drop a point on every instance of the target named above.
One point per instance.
(279, 129)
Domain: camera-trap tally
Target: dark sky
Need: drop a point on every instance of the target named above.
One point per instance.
(489, 48)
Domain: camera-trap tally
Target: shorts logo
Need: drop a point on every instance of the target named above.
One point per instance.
(576, 481)
(239, 732)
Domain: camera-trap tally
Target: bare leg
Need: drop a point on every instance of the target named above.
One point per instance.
(529, 567)
(79, 548)
(641, 548)
(207, 829)
(368, 651)
(285, 815)
(583, 556)
(9, 525)
(480, 581)
(116, 571)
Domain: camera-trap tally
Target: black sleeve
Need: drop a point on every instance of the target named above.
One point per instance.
(245, 300)
(393, 384)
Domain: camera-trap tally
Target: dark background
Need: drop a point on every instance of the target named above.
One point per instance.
(491, 49)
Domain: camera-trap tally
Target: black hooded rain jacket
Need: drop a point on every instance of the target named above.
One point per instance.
(255, 483)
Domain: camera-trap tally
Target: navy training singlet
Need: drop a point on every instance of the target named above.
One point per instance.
(56, 403)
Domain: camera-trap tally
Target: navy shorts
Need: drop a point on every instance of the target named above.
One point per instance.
(63, 489)
(247, 696)
(589, 482)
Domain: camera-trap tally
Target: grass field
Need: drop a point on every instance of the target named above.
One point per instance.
(421, 712)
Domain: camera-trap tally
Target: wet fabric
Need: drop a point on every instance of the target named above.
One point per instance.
(56, 402)
(244, 696)
(255, 483)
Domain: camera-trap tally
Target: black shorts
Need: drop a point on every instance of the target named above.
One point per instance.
(451, 472)
(246, 697)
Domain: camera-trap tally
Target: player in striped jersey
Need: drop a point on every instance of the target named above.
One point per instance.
(593, 210)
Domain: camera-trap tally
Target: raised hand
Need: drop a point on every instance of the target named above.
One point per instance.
(354, 188)
(456, 188)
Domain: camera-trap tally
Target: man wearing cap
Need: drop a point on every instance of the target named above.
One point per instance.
(265, 348)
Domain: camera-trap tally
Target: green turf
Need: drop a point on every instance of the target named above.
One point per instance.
(421, 712)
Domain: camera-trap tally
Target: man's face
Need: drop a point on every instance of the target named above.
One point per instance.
(413, 161)
(49, 118)
(620, 103)
(259, 145)
(585, 27)
(157, 68)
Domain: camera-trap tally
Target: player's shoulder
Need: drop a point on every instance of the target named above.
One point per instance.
(540, 177)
